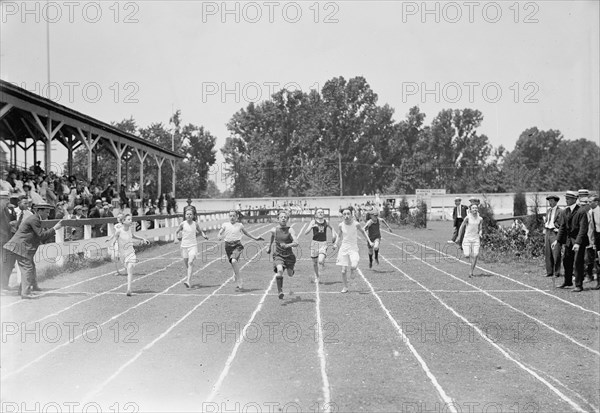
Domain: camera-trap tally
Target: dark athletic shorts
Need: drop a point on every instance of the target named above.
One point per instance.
(233, 250)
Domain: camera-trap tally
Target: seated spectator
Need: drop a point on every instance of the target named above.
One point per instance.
(123, 200)
(31, 194)
(76, 233)
(151, 211)
(5, 186)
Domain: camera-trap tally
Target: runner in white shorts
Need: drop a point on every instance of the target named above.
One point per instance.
(471, 227)
(187, 232)
(348, 253)
(318, 245)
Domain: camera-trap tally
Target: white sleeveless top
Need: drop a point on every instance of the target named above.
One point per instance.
(188, 235)
(472, 229)
(350, 238)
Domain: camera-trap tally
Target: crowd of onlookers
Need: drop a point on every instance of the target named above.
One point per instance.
(71, 197)
(68, 191)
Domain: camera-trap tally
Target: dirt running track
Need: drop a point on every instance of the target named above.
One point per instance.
(414, 334)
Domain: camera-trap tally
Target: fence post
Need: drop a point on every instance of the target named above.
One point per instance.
(60, 239)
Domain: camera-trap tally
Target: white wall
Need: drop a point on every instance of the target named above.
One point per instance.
(440, 206)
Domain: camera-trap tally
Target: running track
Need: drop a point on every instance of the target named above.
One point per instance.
(414, 334)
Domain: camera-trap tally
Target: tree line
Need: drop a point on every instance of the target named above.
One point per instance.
(340, 141)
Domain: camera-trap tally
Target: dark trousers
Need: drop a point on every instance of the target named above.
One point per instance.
(8, 264)
(457, 223)
(574, 264)
(568, 260)
(26, 265)
(553, 255)
(590, 262)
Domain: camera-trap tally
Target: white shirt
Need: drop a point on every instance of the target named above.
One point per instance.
(188, 233)
(350, 238)
(550, 223)
(232, 232)
(596, 214)
(35, 197)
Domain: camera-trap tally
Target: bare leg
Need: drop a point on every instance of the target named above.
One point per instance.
(316, 263)
(129, 278)
(345, 279)
(236, 272)
(279, 279)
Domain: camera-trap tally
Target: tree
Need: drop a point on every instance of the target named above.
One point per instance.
(347, 106)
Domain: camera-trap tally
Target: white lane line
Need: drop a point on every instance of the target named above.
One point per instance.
(112, 290)
(241, 294)
(148, 346)
(445, 398)
(513, 308)
(223, 375)
(225, 372)
(78, 283)
(503, 276)
(560, 394)
(52, 350)
(322, 359)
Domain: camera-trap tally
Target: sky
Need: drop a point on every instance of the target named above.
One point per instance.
(522, 64)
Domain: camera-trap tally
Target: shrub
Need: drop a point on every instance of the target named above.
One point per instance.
(501, 243)
(403, 208)
(419, 218)
(519, 204)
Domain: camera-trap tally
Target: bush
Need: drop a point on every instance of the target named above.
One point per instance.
(489, 222)
(500, 243)
(404, 209)
(535, 221)
(519, 204)
(419, 218)
(386, 211)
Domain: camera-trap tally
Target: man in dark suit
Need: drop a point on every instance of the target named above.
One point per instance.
(594, 237)
(458, 215)
(551, 225)
(23, 245)
(573, 235)
(6, 232)
(95, 212)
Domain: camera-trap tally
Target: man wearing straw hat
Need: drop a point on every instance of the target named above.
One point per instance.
(593, 251)
(23, 245)
(458, 215)
(551, 225)
(573, 235)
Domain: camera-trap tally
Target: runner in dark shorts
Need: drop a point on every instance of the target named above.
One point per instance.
(232, 232)
(233, 250)
(283, 255)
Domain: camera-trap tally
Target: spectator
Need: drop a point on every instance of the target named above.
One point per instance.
(123, 200)
(5, 186)
(189, 206)
(23, 246)
(94, 212)
(551, 224)
(109, 193)
(151, 211)
(594, 236)
(6, 232)
(37, 168)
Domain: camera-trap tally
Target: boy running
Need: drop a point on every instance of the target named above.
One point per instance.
(232, 232)
(283, 256)
(318, 245)
(124, 237)
(372, 228)
(348, 253)
(186, 233)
